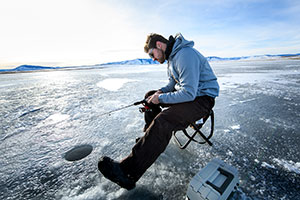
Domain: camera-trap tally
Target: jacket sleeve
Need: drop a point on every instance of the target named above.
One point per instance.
(170, 86)
(187, 65)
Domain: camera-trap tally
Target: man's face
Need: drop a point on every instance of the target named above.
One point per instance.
(157, 54)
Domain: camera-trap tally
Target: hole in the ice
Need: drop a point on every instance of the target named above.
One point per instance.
(79, 152)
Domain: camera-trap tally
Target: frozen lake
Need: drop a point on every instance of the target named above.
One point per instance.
(45, 114)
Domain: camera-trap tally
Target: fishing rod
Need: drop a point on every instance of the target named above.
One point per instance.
(144, 102)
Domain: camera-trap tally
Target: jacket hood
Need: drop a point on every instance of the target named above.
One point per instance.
(180, 42)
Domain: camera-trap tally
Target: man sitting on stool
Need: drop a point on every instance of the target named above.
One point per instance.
(189, 95)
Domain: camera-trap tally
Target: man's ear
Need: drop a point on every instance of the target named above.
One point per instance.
(158, 44)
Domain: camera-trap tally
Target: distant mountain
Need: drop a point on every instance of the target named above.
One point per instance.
(142, 61)
(27, 68)
(215, 58)
(139, 61)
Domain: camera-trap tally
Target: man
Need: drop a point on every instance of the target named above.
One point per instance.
(189, 96)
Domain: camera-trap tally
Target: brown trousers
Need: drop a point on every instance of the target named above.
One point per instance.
(158, 132)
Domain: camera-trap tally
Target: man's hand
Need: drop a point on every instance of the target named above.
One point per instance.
(154, 98)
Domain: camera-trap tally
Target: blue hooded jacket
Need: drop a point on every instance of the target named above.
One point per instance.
(190, 74)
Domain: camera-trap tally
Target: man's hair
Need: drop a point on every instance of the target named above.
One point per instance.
(151, 41)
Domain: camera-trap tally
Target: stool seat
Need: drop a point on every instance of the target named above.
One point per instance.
(196, 126)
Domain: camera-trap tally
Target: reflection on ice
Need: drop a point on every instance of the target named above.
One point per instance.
(55, 118)
(113, 84)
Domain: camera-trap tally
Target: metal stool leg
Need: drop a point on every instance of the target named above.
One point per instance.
(197, 131)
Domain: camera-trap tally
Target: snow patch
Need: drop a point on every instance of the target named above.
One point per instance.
(264, 164)
(235, 127)
(252, 178)
(229, 153)
(288, 165)
(247, 100)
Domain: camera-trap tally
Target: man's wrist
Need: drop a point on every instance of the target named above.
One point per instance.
(160, 98)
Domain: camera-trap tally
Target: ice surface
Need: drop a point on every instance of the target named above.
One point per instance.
(256, 130)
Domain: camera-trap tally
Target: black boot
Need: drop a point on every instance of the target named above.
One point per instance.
(112, 171)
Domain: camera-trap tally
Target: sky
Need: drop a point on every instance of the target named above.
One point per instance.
(87, 32)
